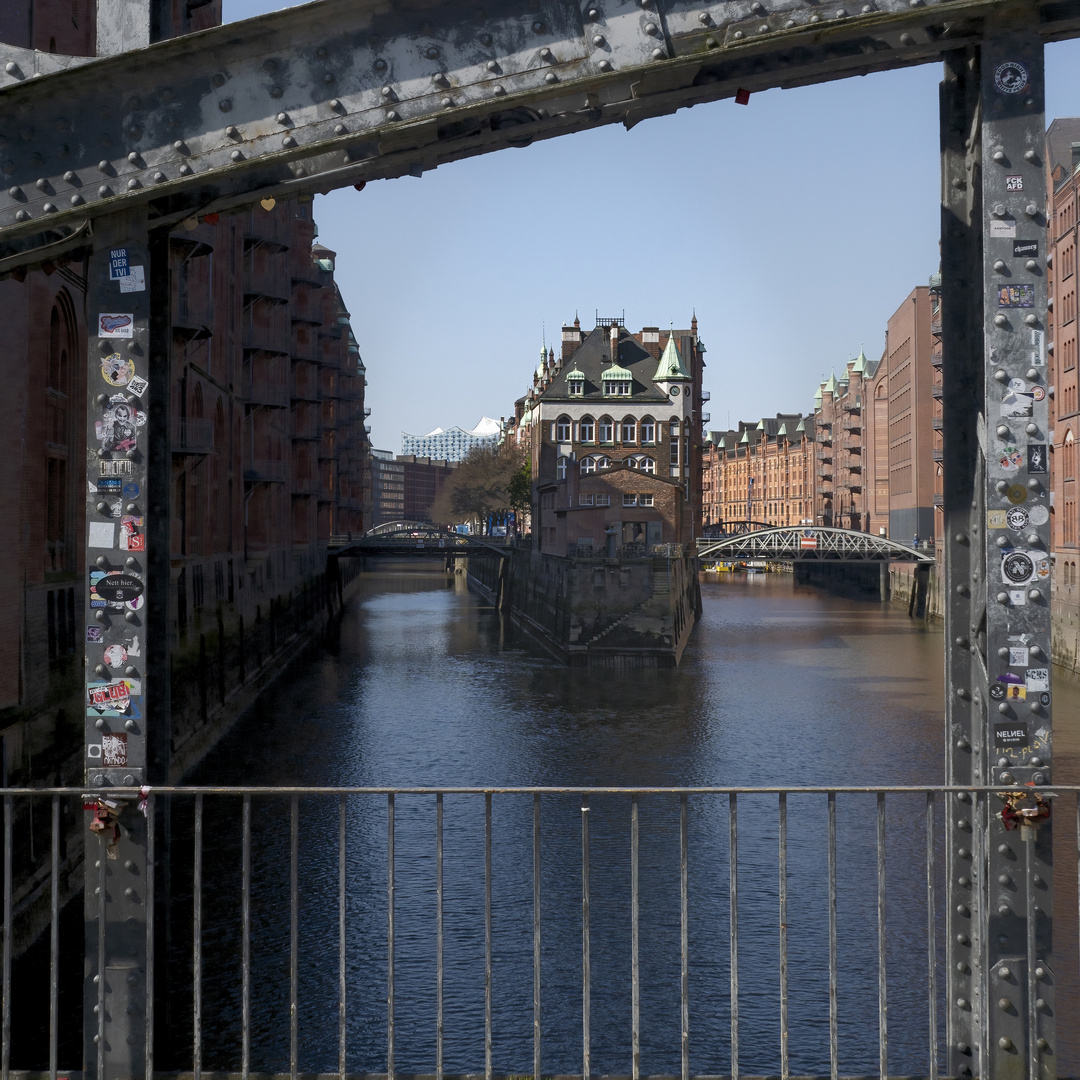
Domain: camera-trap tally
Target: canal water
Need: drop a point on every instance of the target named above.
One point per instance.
(426, 685)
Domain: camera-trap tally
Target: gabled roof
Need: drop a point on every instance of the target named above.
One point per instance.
(671, 367)
(592, 359)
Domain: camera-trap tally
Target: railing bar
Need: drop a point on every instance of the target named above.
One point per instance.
(294, 935)
(342, 1013)
(245, 940)
(635, 974)
(733, 926)
(151, 856)
(438, 937)
(586, 970)
(536, 935)
(196, 976)
(390, 937)
(5, 1021)
(931, 933)
(783, 940)
(54, 935)
(684, 936)
(883, 1004)
(1029, 921)
(834, 1015)
(487, 935)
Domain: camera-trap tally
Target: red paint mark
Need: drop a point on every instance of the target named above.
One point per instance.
(742, 97)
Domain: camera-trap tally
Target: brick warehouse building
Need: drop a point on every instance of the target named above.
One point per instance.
(1063, 241)
(269, 458)
(616, 398)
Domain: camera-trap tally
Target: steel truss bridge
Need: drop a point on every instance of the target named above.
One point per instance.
(413, 538)
(810, 544)
(107, 154)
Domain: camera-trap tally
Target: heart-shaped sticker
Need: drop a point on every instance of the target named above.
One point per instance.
(268, 204)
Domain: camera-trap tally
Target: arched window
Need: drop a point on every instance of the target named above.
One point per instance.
(1068, 462)
(588, 429)
(646, 464)
(562, 429)
(606, 429)
(648, 430)
(560, 468)
(603, 462)
(588, 465)
(629, 429)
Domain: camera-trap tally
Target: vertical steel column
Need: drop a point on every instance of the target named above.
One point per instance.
(997, 537)
(116, 758)
(1017, 568)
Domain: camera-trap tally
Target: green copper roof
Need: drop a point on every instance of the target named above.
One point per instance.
(831, 385)
(761, 425)
(860, 362)
(817, 397)
(745, 438)
(620, 374)
(782, 431)
(671, 366)
(574, 373)
(801, 427)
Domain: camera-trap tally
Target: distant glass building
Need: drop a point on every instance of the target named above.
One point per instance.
(451, 444)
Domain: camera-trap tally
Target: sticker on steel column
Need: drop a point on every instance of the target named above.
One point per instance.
(138, 386)
(134, 281)
(1038, 393)
(94, 634)
(117, 371)
(1011, 734)
(131, 538)
(1038, 355)
(118, 263)
(997, 692)
(1017, 597)
(1018, 402)
(1017, 567)
(114, 589)
(114, 749)
(117, 467)
(102, 534)
(1016, 296)
(116, 324)
(1037, 457)
(131, 490)
(1016, 494)
(109, 485)
(1012, 183)
(115, 656)
(996, 519)
(1025, 249)
(1039, 514)
(1011, 77)
(119, 425)
(1038, 678)
(1002, 228)
(111, 698)
(1010, 458)
(1017, 518)
(1018, 656)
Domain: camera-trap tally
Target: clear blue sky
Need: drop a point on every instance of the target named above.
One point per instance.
(794, 226)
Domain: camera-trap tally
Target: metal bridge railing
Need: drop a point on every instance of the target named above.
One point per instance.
(610, 874)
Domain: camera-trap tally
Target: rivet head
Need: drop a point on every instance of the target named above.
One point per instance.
(594, 14)
(961, 1003)
(1001, 320)
(288, 142)
(103, 166)
(1001, 375)
(236, 156)
(1003, 433)
(432, 52)
(77, 200)
(652, 29)
(392, 115)
(1031, 429)
(551, 77)
(282, 118)
(500, 90)
(658, 54)
(1031, 265)
(160, 177)
(447, 102)
(999, 265)
(1002, 597)
(186, 169)
(704, 18)
(1003, 708)
(1034, 594)
(841, 13)
(711, 43)
(999, 210)
(225, 105)
(232, 131)
(340, 129)
(1033, 484)
(133, 183)
(1005, 1042)
(1031, 210)
(546, 54)
(604, 65)
(1031, 319)
(538, 27)
(999, 155)
(334, 104)
(493, 65)
(386, 91)
(485, 39)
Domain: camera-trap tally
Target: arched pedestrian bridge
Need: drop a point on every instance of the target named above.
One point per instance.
(809, 544)
(412, 538)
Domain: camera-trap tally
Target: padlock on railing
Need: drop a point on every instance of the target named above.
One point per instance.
(1023, 809)
(106, 820)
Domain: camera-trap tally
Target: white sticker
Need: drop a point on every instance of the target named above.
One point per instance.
(102, 534)
(1038, 514)
(1038, 678)
(1017, 597)
(138, 386)
(1003, 227)
(1018, 656)
(134, 281)
(116, 324)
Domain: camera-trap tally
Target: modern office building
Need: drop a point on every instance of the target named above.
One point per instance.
(451, 444)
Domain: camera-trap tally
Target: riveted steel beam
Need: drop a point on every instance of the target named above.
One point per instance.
(338, 92)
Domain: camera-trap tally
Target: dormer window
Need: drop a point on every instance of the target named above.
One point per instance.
(575, 387)
(622, 388)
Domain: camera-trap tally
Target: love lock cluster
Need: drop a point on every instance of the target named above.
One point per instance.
(1023, 809)
(106, 820)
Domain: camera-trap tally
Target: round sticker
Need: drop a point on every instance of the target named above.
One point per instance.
(117, 371)
(997, 691)
(1016, 494)
(131, 491)
(1038, 514)
(115, 656)
(1038, 393)
(1011, 77)
(1044, 698)
(1010, 458)
(1017, 567)
(1017, 518)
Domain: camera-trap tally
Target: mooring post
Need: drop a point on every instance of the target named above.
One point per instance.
(996, 502)
(117, 752)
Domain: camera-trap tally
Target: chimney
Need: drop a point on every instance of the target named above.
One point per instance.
(614, 344)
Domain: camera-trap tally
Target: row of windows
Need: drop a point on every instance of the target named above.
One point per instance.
(593, 462)
(611, 387)
(603, 430)
(1068, 573)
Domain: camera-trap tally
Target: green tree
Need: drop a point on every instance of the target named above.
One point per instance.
(479, 486)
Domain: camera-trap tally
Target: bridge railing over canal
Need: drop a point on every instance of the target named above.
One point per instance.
(696, 931)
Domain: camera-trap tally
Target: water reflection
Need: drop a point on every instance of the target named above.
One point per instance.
(428, 686)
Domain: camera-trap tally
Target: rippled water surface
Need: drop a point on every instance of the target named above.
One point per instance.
(428, 686)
